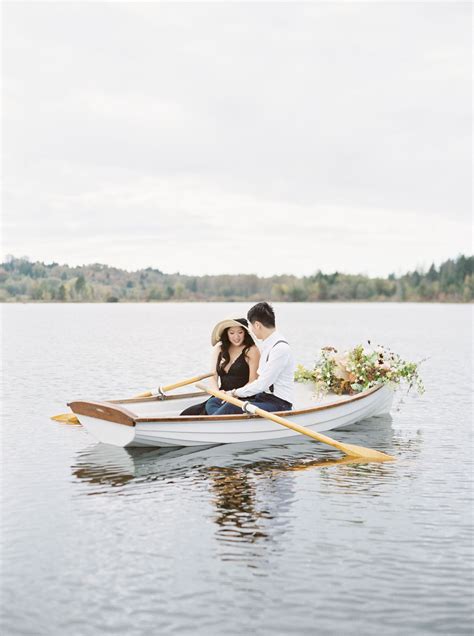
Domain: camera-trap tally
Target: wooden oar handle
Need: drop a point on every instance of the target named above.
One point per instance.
(177, 385)
(223, 396)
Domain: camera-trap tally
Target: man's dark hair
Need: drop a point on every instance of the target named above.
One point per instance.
(262, 312)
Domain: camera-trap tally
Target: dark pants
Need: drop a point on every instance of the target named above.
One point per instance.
(196, 409)
(266, 401)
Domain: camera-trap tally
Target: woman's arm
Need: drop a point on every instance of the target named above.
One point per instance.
(253, 360)
(213, 382)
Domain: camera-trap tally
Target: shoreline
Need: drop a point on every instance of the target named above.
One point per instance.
(239, 300)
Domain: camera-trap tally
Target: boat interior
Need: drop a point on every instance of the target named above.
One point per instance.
(172, 405)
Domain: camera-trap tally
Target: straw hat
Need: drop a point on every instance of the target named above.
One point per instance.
(225, 324)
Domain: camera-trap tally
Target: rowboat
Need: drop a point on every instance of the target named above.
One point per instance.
(155, 421)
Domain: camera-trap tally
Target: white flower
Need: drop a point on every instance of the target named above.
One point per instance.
(340, 369)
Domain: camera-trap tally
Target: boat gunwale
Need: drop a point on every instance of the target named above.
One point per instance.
(246, 416)
(113, 412)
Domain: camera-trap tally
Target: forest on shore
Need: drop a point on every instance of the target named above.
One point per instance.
(22, 280)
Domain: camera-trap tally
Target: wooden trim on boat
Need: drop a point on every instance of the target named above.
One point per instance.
(245, 416)
(103, 411)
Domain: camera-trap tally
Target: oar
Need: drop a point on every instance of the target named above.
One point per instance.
(170, 387)
(348, 449)
(70, 418)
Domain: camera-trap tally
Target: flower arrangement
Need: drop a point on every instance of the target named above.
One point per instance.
(359, 369)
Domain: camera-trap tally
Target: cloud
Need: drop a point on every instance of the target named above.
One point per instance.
(289, 137)
(190, 225)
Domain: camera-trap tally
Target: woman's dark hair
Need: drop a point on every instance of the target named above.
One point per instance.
(262, 312)
(223, 358)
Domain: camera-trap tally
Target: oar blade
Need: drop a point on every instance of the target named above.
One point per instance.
(366, 453)
(68, 418)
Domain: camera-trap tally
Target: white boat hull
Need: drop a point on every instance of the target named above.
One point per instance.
(152, 423)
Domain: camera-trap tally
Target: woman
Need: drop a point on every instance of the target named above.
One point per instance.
(235, 359)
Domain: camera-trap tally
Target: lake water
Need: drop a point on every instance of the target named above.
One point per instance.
(231, 539)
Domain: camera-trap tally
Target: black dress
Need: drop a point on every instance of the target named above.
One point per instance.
(237, 376)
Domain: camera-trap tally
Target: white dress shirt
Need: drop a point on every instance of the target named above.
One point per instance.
(279, 370)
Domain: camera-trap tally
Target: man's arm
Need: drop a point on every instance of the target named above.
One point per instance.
(279, 357)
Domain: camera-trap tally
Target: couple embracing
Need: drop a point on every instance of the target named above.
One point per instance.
(262, 375)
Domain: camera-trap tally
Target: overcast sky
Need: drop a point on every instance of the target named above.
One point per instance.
(238, 137)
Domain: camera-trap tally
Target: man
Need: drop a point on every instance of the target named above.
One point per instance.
(273, 388)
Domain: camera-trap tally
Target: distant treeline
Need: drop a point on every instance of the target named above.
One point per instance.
(25, 281)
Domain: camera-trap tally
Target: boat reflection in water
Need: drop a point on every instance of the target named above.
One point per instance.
(106, 467)
(109, 466)
(251, 488)
(250, 485)
(253, 491)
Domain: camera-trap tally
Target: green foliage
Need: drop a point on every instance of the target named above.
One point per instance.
(61, 295)
(80, 284)
(358, 370)
(26, 281)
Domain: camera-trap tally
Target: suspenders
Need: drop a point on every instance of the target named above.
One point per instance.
(268, 355)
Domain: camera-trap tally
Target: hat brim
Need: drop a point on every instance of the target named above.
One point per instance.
(225, 324)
